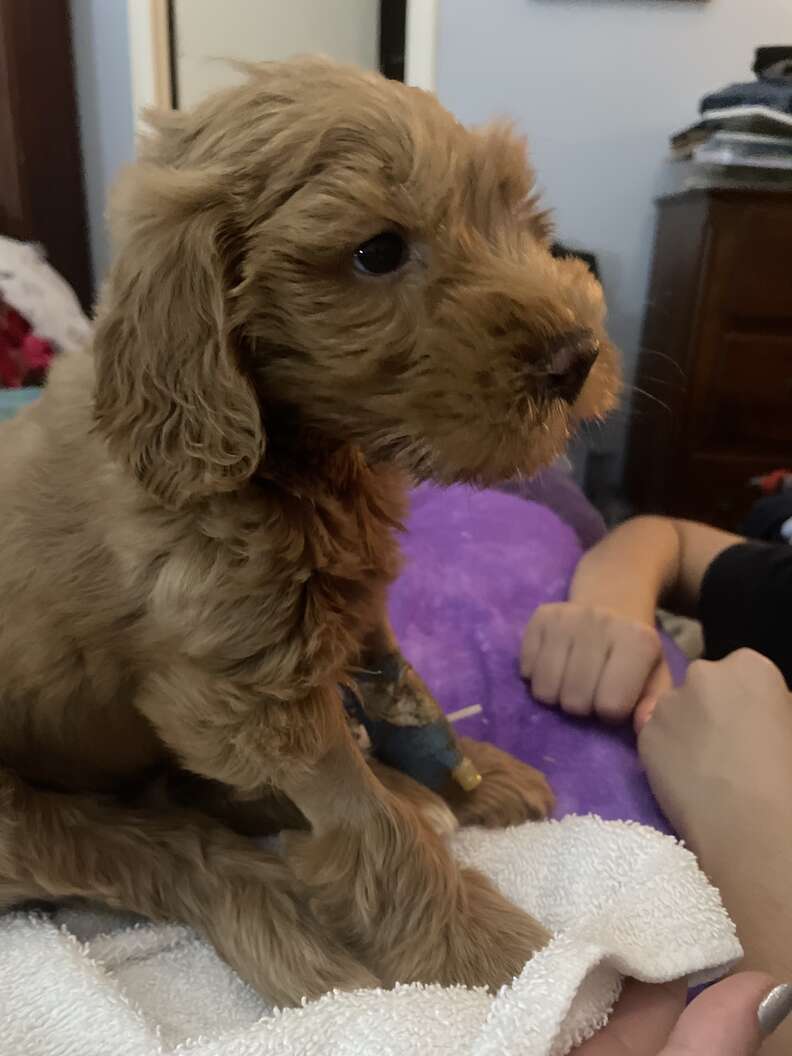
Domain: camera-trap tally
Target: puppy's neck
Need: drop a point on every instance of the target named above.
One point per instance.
(311, 472)
(309, 464)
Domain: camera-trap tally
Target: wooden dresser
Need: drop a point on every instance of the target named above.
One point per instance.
(716, 356)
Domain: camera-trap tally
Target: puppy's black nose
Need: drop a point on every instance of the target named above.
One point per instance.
(570, 358)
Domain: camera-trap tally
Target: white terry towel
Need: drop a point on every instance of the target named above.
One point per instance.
(619, 898)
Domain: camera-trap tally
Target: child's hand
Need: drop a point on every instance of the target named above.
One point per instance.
(590, 660)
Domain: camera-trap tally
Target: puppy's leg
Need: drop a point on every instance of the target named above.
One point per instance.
(434, 810)
(270, 812)
(266, 813)
(406, 725)
(377, 874)
(390, 889)
(172, 866)
(509, 792)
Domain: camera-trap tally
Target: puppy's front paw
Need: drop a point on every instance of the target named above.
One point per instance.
(492, 939)
(510, 792)
(472, 937)
(392, 893)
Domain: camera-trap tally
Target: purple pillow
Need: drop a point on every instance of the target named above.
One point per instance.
(477, 565)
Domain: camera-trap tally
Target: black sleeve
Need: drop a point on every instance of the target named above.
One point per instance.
(746, 601)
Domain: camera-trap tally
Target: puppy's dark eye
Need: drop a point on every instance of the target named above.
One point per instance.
(381, 255)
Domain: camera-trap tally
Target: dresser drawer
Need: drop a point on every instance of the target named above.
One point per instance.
(716, 356)
(746, 404)
(755, 281)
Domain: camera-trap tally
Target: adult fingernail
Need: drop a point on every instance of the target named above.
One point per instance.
(775, 1008)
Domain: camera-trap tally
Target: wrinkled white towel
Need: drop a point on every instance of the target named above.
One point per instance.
(620, 899)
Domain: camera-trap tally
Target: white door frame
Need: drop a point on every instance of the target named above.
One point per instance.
(420, 43)
(149, 55)
(150, 50)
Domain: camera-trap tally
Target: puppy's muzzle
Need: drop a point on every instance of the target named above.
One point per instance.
(569, 358)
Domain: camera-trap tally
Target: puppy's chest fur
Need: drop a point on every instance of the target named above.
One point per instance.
(275, 589)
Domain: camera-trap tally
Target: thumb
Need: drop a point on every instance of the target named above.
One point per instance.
(724, 1020)
(659, 682)
(644, 710)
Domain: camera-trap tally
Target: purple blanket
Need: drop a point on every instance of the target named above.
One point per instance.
(477, 565)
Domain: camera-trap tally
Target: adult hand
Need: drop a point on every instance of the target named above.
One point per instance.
(723, 1021)
(719, 748)
(718, 754)
(591, 660)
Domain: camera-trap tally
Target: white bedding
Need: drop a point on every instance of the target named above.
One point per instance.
(620, 899)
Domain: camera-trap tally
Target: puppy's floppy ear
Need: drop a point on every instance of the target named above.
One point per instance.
(170, 397)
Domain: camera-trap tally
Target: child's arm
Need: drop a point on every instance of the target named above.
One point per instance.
(648, 560)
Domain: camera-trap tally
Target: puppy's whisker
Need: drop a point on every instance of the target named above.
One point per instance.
(664, 356)
(647, 395)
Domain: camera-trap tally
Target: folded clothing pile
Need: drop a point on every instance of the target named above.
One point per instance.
(772, 87)
(744, 137)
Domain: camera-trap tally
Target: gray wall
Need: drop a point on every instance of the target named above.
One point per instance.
(104, 100)
(598, 86)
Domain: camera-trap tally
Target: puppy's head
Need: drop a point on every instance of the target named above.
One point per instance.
(332, 245)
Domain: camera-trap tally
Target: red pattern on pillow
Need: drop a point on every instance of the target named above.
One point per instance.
(24, 357)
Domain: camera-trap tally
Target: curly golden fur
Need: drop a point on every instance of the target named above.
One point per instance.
(198, 518)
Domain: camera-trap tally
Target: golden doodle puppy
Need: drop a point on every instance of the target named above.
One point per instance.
(323, 287)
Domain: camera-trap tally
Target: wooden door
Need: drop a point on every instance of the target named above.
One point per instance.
(42, 197)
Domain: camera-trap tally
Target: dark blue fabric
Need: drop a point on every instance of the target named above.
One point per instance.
(775, 93)
(423, 752)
